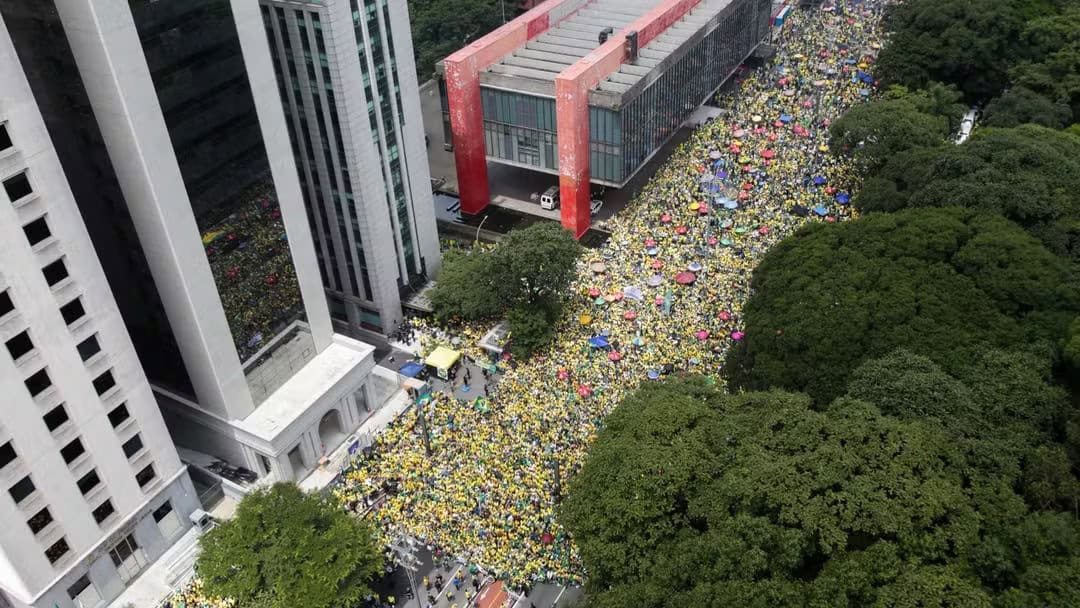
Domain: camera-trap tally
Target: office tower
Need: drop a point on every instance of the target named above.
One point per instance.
(93, 489)
(183, 96)
(348, 85)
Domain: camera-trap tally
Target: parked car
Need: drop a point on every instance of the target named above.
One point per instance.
(595, 205)
(549, 200)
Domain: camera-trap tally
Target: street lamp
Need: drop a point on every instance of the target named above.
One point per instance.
(404, 549)
(479, 227)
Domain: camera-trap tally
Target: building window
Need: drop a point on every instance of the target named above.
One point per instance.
(6, 305)
(167, 520)
(83, 593)
(128, 558)
(23, 488)
(37, 231)
(103, 511)
(104, 382)
(265, 462)
(17, 186)
(55, 272)
(37, 383)
(5, 139)
(89, 347)
(89, 482)
(19, 345)
(41, 519)
(146, 475)
(72, 450)
(57, 550)
(73, 311)
(55, 418)
(7, 454)
(118, 415)
(133, 445)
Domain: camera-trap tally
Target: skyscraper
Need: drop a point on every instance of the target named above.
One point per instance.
(93, 489)
(235, 333)
(347, 80)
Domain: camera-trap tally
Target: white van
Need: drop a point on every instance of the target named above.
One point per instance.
(550, 198)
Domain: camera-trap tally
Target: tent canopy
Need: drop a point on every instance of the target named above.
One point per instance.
(442, 358)
(411, 369)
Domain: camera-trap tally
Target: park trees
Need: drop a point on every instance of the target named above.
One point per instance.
(287, 549)
(523, 278)
(440, 27)
(694, 497)
(940, 283)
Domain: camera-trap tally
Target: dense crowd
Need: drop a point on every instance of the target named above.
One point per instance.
(664, 295)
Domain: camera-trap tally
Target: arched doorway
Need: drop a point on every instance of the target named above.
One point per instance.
(331, 432)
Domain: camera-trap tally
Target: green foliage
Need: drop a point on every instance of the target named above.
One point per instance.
(693, 497)
(287, 549)
(1048, 480)
(522, 278)
(1028, 174)
(440, 27)
(971, 43)
(941, 283)
(1020, 105)
(874, 132)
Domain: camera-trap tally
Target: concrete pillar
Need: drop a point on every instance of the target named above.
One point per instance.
(572, 120)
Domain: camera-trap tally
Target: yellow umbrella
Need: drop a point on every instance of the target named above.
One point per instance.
(585, 319)
(694, 206)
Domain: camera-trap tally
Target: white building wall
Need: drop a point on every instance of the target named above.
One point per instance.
(26, 576)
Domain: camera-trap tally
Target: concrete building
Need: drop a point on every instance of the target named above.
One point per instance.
(347, 80)
(93, 489)
(589, 90)
(191, 164)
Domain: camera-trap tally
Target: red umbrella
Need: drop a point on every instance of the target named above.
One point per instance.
(743, 196)
(629, 315)
(614, 356)
(703, 209)
(563, 374)
(659, 301)
(773, 137)
(547, 538)
(681, 230)
(768, 154)
(617, 295)
(657, 264)
(594, 292)
(747, 186)
(685, 278)
(713, 240)
(763, 230)
(701, 334)
(584, 391)
(665, 219)
(650, 242)
(724, 315)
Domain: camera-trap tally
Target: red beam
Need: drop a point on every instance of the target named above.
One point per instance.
(463, 94)
(572, 88)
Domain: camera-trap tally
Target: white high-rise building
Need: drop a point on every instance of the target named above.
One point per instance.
(243, 357)
(347, 80)
(92, 488)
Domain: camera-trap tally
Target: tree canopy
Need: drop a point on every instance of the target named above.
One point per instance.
(287, 549)
(693, 497)
(938, 282)
(522, 278)
(440, 27)
(1028, 174)
(971, 43)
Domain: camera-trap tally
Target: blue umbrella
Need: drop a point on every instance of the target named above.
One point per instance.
(598, 342)
(730, 204)
(653, 374)
(821, 210)
(819, 180)
(721, 174)
(843, 198)
(785, 118)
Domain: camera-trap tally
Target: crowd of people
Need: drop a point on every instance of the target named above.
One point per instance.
(664, 295)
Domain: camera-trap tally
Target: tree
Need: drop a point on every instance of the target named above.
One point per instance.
(523, 277)
(694, 497)
(940, 283)
(1027, 174)
(287, 549)
(874, 132)
(970, 43)
(440, 27)
(1020, 105)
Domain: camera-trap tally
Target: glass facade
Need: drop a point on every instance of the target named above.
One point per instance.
(521, 128)
(50, 68)
(193, 52)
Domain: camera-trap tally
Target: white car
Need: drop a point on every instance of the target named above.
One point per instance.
(967, 125)
(595, 205)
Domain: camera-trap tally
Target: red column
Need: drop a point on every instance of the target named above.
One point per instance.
(463, 94)
(572, 119)
(467, 125)
(572, 88)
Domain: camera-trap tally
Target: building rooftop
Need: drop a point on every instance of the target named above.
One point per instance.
(532, 67)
